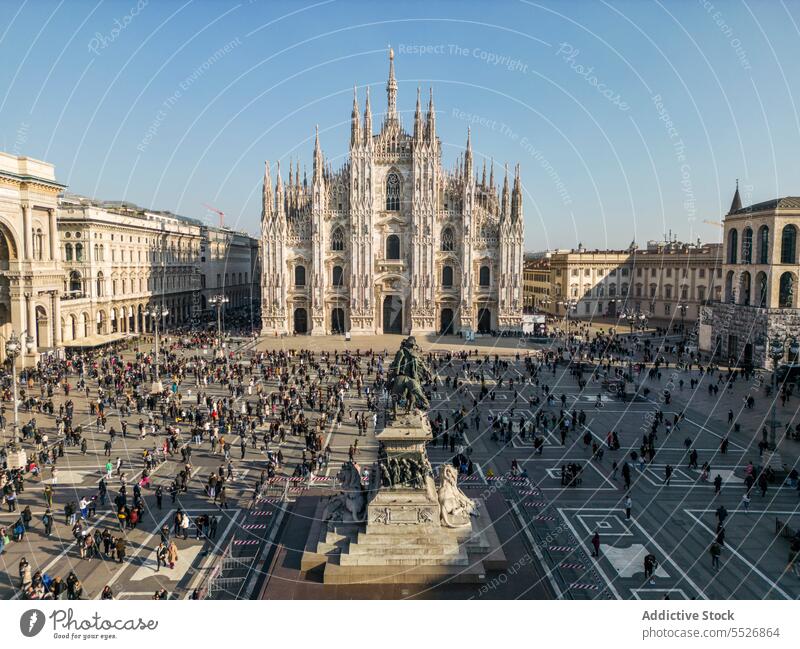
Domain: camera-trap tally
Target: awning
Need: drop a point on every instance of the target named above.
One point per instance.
(97, 340)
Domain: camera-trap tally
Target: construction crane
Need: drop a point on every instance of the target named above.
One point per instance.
(219, 213)
(719, 223)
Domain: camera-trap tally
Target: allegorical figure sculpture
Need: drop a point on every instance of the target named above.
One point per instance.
(407, 373)
(348, 506)
(456, 508)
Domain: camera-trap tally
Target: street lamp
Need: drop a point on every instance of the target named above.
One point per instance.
(13, 349)
(219, 301)
(156, 312)
(777, 350)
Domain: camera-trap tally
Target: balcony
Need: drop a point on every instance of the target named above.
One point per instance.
(390, 265)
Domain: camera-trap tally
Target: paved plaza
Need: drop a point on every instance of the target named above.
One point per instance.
(546, 527)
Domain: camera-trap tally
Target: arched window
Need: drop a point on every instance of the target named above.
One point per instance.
(448, 244)
(761, 287)
(338, 279)
(747, 246)
(68, 252)
(299, 275)
(75, 284)
(447, 276)
(78, 252)
(786, 295)
(733, 243)
(729, 286)
(484, 276)
(100, 282)
(744, 289)
(789, 245)
(763, 245)
(392, 192)
(337, 239)
(392, 247)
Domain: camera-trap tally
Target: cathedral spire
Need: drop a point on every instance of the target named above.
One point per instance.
(468, 155)
(279, 201)
(431, 126)
(367, 120)
(318, 160)
(267, 200)
(504, 204)
(491, 176)
(418, 118)
(297, 175)
(355, 126)
(391, 90)
(483, 176)
(516, 197)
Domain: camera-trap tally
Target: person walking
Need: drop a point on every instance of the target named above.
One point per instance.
(596, 544)
(172, 554)
(161, 556)
(650, 565)
(628, 505)
(717, 485)
(667, 474)
(715, 550)
(746, 502)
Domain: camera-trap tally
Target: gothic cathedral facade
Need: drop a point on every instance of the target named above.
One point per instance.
(391, 242)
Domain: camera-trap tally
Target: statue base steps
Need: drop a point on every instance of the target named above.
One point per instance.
(412, 553)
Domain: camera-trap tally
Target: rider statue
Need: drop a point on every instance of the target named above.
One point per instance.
(407, 373)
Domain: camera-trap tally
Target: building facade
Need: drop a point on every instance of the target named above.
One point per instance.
(536, 282)
(759, 303)
(30, 270)
(391, 242)
(666, 282)
(76, 272)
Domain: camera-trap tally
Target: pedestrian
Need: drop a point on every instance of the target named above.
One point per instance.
(161, 556)
(717, 485)
(667, 474)
(715, 550)
(650, 565)
(172, 554)
(596, 544)
(628, 505)
(47, 521)
(746, 502)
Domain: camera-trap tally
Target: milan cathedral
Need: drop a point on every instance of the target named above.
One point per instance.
(391, 242)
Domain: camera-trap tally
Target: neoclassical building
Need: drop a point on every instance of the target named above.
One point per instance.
(77, 272)
(391, 242)
(30, 268)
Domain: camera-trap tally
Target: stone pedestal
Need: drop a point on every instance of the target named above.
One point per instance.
(404, 538)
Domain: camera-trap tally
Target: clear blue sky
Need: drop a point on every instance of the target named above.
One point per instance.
(182, 105)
